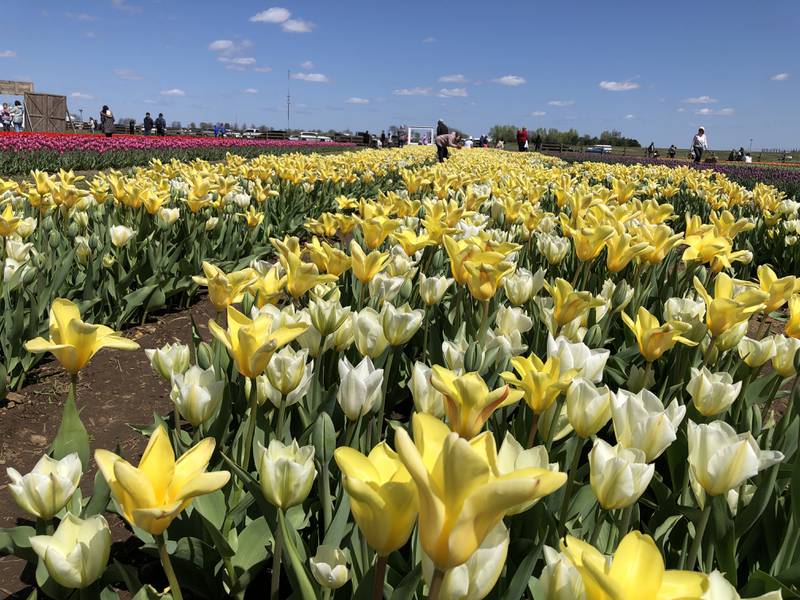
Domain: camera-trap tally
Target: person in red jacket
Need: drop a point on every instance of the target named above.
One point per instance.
(522, 139)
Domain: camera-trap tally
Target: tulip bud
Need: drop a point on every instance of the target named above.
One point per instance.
(53, 241)
(286, 472)
(205, 355)
(81, 219)
(72, 230)
(77, 553)
(721, 460)
(197, 394)
(169, 360)
(560, 580)
(712, 393)
(359, 387)
(168, 216)
(323, 437)
(211, 223)
(108, 260)
(427, 399)
(28, 277)
(640, 379)
(473, 357)
(400, 324)
(329, 566)
(48, 487)
(342, 338)
(623, 293)
(618, 475)
(432, 289)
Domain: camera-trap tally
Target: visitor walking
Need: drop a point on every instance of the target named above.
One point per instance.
(5, 117)
(537, 142)
(17, 115)
(216, 130)
(383, 139)
(522, 139)
(441, 128)
(161, 125)
(131, 127)
(673, 150)
(443, 142)
(699, 144)
(147, 124)
(107, 120)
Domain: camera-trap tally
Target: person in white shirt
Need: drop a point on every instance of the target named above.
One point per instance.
(699, 144)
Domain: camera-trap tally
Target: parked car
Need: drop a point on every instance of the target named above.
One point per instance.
(600, 149)
(252, 133)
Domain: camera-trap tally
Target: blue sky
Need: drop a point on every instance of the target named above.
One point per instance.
(655, 70)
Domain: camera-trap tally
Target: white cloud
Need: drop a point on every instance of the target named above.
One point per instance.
(220, 45)
(173, 92)
(81, 16)
(415, 91)
(251, 91)
(510, 80)
(538, 113)
(357, 100)
(124, 6)
(780, 77)
(630, 116)
(619, 86)
(701, 100)
(8, 54)
(81, 96)
(275, 14)
(311, 77)
(297, 26)
(722, 112)
(307, 65)
(150, 102)
(243, 61)
(453, 93)
(262, 69)
(128, 74)
(457, 78)
(561, 103)
(681, 109)
(428, 40)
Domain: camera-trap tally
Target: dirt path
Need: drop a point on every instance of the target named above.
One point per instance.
(116, 389)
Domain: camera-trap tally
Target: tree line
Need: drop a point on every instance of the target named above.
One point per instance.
(570, 137)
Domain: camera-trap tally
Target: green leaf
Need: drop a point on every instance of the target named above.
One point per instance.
(301, 583)
(519, 581)
(16, 541)
(72, 435)
(340, 524)
(408, 586)
(100, 497)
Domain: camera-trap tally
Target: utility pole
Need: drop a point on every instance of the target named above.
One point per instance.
(750, 151)
(288, 100)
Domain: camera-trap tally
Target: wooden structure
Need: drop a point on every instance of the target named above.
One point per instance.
(46, 112)
(16, 88)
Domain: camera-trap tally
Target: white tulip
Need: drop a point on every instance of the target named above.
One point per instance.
(641, 421)
(432, 289)
(785, 351)
(474, 579)
(17, 250)
(618, 475)
(121, 235)
(211, 223)
(169, 359)
(588, 407)
(48, 487)
(368, 333)
(519, 286)
(77, 553)
(197, 394)
(712, 393)
(26, 227)
(510, 320)
(427, 399)
(720, 588)
(560, 580)
(589, 363)
(327, 315)
(731, 338)
(287, 370)
(552, 247)
(168, 215)
(400, 323)
(512, 456)
(359, 387)
(384, 288)
(329, 566)
(755, 353)
(286, 472)
(721, 460)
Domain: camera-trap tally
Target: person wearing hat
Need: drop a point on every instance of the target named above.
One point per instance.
(699, 144)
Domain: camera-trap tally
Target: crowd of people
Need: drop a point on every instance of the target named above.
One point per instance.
(12, 117)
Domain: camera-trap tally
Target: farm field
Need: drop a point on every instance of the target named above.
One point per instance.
(366, 374)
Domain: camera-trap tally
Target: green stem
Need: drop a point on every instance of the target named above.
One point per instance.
(625, 522)
(234, 579)
(387, 373)
(533, 429)
(380, 576)
(737, 410)
(571, 476)
(436, 585)
(247, 444)
(598, 524)
(277, 551)
(709, 352)
(73, 386)
(281, 424)
(168, 570)
(698, 535)
(325, 496)
(484, 322)
(425, 328)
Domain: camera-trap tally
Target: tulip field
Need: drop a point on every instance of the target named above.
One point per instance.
(503, 376)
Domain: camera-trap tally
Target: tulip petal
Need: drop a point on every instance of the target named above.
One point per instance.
(638, 566)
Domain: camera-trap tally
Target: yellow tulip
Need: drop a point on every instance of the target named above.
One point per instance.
(793, 324)
(376, 230)
(462, 495)
(411, 242)
(327, 258)
(653, 338)
(635, 572)
(151, 495)
(725, 310)
(568, 304)
(253, 217)
(779, 290)
(589, 241)
(539, 382)
(383, 499)
(225, 289)
(267, 288)
(468, 402)
(43, 181)
(251, 342)
(459, 251)
(621, 251)
(8, 221)
(74, 342)
(366, 266)
(301, 276)
(485, 277)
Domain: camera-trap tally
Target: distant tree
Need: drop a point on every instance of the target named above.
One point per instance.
(507, 133)
(175, 125)
(206, 125)
(226, 125)
(192, 125)
(262, 128)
